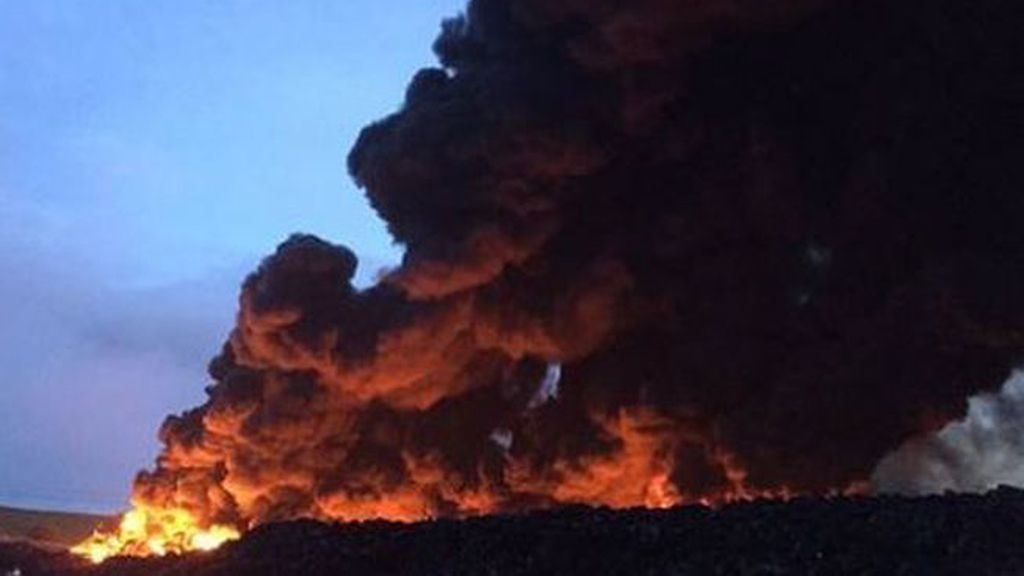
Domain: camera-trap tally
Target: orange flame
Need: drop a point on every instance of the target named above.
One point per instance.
(637, 473)
(151, 531)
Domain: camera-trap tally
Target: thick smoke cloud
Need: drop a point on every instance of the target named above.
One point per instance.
(655, 251)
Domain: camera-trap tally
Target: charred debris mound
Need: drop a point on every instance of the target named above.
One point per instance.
(948, 534)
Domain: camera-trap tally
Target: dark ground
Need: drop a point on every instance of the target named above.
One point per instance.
(951, 534)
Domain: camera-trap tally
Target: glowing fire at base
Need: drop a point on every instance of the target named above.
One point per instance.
(151, 531)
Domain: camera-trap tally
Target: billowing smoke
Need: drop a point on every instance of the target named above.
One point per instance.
(656, 251)
(976, 454)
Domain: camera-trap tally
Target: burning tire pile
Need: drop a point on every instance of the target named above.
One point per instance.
(656, 252)
(951, 534)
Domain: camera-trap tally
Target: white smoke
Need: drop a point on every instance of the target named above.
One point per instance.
(548, 389)
(978, 453)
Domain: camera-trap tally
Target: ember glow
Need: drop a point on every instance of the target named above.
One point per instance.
(655, 253)
(146, 531)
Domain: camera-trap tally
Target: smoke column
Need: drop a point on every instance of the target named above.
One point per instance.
(656, 251)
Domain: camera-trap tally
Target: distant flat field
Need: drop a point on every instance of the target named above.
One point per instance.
(56, 528)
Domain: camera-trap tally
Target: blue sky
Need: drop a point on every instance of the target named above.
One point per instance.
(150, 153)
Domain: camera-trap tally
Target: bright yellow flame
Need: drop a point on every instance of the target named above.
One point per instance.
(152, 531)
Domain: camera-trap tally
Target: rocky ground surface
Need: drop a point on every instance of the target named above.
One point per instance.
(950, 534)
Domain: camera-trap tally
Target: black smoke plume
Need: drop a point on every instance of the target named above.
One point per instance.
(656, 251)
